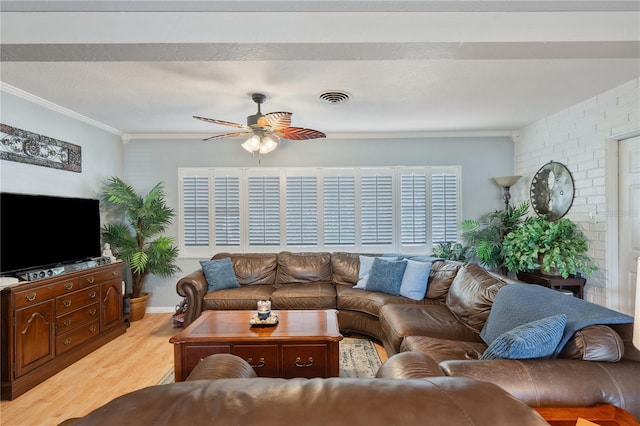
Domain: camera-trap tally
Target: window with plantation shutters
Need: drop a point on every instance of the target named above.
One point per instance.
(376, 209)
(195, 210)
(302, 210)
(339, 205)
(444, 201)
(264, 210)
(227, 210)
(382, 209)
(413, 209)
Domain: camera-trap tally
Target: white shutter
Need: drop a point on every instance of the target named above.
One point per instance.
(444, 200)
(195, 211)
(302, 210)
(227, 210)
(264, 210)
(413, 209)
(376, 211)
(339, 203)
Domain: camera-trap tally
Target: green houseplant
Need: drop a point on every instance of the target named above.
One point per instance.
(451, 251)
(137, 241)
(556, 248)
(484, 236)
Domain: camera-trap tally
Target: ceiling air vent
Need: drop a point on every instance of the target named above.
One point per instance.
(334, 97)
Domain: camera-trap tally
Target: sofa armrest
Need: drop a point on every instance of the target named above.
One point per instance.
(558, 382)
(409, 365)
(222, 366)
(193, 287)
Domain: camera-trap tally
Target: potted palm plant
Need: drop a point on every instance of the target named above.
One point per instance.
(555, 247)
(136, 241)
(484, 236)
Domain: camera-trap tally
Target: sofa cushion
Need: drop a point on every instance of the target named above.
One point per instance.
(594, 343)
(304, 296)
(399, 321)
(471, 295)
(386, 276)
(414, 280)
(253, 268)
(219, 274)
(294, 268)
(537, 339)
(245, 297)
(369, 302)
(441, 276)
(344, 268)
(443, 349)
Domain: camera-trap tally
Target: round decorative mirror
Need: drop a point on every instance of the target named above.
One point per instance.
(552, 191)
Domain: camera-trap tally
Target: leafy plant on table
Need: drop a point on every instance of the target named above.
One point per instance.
(484, 236)
(556, 248)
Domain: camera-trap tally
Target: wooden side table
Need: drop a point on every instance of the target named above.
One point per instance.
(573, 284)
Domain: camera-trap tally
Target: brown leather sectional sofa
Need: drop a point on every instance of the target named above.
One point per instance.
(223, 390)
(436, 336)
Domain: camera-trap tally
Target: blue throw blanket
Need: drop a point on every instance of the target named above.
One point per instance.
(518, 304)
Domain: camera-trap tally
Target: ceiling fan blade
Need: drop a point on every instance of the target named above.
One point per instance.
(227, 135)
(299, 134)
(224, 123)
(276, 120)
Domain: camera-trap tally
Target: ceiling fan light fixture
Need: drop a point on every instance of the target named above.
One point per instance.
(252, 144)
(269, 143)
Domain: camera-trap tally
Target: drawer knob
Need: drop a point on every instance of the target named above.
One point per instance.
(307, 365)
(90, 280)
(68, 286)
(67, 323)
(66, 303)
(92, 294)
(30, 297)
(115, 273)
(92, 311)
(260, 363)
(66, 341)
(93, 329)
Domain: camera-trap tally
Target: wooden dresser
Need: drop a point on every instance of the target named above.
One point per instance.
(51, 323)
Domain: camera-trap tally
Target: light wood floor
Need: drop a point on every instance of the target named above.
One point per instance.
(137, 359)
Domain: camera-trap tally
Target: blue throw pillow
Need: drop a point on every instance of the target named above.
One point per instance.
(219, 274)
(414, 281)
(366, 262)
(386, 276)
(536, 339)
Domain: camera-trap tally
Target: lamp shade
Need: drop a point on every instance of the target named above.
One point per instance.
(504, 181)
(636, 318)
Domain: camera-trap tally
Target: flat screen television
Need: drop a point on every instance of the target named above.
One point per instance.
(40, 231)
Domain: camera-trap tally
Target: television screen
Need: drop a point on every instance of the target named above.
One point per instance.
(38, 231)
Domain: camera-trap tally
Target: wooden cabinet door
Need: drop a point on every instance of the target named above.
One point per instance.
(35, 336)
(304, 360)
(111, 304)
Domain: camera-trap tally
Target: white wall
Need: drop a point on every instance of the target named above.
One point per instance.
(150, 161)
(579, 138)
(102, 152)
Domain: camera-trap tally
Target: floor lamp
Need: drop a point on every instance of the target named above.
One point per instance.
(506, 182)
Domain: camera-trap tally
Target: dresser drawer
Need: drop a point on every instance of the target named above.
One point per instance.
(77, 299)
(48, 291)
(304, 361)
(263, 358)
(75, 337)
(68, 322)
(100, 276)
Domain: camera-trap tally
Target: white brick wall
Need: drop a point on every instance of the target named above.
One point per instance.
(577, 138)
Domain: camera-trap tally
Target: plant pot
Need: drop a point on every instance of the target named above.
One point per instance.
(138, 307)
(553, 272)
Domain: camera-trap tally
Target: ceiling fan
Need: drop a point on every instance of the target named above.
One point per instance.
(266, 130)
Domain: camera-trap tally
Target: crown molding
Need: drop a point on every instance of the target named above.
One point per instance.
(341, 135)
(7, 88)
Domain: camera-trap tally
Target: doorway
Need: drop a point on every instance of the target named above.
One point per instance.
(628, 221)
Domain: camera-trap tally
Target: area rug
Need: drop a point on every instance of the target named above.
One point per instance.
(358, 358)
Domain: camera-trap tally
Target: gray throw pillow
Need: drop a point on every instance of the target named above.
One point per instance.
(386, 276)
(219, 274)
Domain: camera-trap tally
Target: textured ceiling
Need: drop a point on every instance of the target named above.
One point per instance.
(146, 67)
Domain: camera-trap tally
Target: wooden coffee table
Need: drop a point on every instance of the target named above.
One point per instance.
(304, 343)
